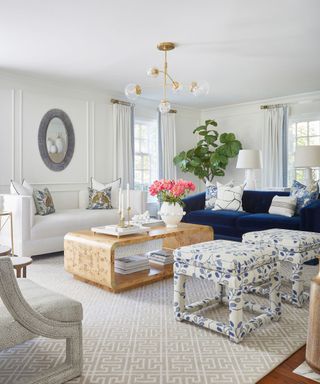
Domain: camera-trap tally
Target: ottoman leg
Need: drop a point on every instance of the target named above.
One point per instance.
(235, 315)
(179, 298)
(297, 296)
(275, 296)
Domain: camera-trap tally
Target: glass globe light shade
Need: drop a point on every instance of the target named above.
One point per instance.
(153, 72)
(133, 91)
(193, 87)
(164, 106)
(201, 89)
(176, 86)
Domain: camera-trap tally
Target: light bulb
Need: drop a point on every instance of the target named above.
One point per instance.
(176, 86)
(164, 106)
(193, 87)
(153, 72)
(199, 89)
(133, 91)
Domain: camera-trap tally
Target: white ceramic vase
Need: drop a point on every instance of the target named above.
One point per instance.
(171, 214)
(59, 144)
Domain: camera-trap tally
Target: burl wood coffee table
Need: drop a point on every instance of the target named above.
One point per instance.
(90, 256)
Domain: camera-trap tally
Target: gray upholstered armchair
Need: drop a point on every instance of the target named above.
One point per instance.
(37, 311)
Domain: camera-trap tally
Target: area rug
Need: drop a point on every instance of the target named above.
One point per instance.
(305, 371)
(132, 337)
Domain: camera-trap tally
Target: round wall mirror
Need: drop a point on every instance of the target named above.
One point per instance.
(56, 139)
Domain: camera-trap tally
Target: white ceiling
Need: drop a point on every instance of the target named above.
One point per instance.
(246, 49)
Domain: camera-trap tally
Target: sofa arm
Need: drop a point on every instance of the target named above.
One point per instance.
(22, 217)
(194, 202)
(310, 217)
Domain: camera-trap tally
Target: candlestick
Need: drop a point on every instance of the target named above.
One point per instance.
(128, 212)
(122, 205)
(119, 201)
(128, 195)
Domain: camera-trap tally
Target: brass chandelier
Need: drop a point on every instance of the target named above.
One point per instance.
(133, 91)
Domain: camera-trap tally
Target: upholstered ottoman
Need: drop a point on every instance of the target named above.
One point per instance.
(294, 247)
(232, 266)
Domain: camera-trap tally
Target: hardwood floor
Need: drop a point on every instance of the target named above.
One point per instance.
(283, 373)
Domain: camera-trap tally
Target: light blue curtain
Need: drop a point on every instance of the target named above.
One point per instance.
(275, 147)
(123, 134)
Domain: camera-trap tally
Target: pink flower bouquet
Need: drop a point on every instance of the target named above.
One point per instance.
(171, 191)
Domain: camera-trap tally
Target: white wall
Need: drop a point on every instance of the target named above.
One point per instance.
(24, 101)
(246, 121)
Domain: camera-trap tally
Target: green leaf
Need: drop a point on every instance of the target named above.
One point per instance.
(210, 156)
(211, 122)
(201, 128)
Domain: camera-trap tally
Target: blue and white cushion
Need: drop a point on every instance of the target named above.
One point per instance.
(212, 192)
(225, 255)
(304, 194)
(229, 198)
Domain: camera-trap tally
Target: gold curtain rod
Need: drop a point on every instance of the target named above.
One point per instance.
(272, 106)
(115, 101)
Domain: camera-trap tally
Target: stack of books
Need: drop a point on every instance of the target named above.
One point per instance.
(131, 264)
(161, 257)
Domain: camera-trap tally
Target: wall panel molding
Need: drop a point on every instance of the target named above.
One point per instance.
(20, 97)
(13, 136)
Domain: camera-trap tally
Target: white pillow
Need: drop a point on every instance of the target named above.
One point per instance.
(114, 185)
(24, 189)
(283, 205)
(229, 198)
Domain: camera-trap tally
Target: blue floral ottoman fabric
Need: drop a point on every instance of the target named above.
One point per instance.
(295, 247)
(230, 265)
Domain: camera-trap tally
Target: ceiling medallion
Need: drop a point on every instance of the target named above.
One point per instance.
(133, 91)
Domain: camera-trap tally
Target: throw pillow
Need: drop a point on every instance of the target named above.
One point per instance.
(115, 185)
(229, 198)
(100, 199)
(24, 189)
(283, 205)
(211, 193)
(304, 194)
(43, 201)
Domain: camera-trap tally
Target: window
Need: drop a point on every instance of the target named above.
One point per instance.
(146, 153)
(302, 133)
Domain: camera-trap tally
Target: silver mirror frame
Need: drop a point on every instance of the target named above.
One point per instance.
(42, 139)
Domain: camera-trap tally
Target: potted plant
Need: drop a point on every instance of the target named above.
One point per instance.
(170, 193)
(210, 156)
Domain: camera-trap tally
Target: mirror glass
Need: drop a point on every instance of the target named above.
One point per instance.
(57, 140)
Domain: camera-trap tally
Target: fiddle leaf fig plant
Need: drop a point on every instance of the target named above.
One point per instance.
(210, 156)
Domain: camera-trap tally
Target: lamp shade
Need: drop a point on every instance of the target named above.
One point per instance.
(307, 156)
(249, 159)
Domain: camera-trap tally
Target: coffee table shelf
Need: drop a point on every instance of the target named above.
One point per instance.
(90, 257)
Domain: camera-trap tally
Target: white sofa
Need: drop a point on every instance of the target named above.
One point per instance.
(37, 235)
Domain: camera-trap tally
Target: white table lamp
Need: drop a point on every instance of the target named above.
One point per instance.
(307, 156)
(249, 159)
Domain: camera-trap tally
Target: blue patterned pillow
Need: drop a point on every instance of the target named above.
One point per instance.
(304, 194)
(211, 195)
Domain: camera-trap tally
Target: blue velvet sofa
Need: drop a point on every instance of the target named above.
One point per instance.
(231, 225)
